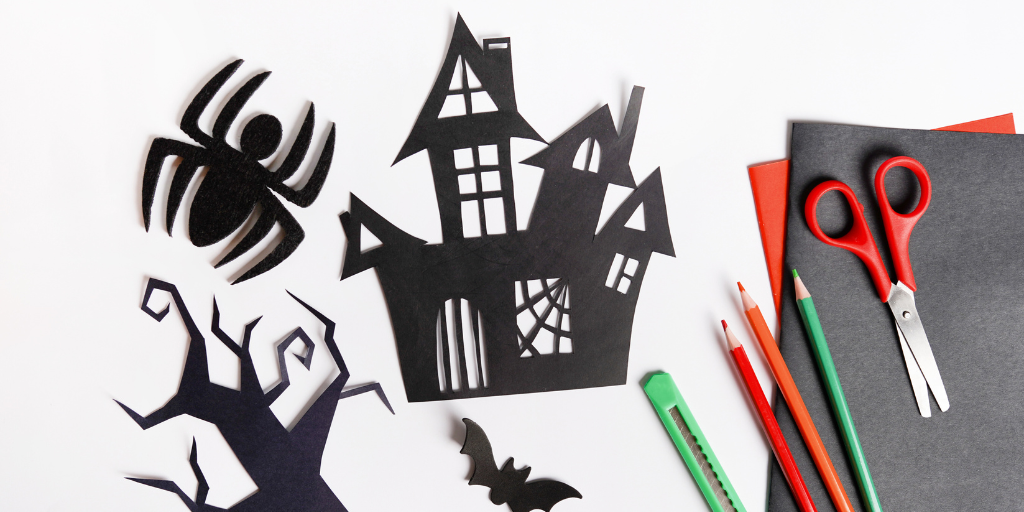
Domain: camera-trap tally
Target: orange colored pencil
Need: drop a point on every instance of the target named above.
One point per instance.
(796, 404)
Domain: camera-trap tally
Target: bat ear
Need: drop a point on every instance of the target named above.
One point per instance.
(509, 468)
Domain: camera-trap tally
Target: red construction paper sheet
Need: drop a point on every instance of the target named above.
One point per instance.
(770, 184)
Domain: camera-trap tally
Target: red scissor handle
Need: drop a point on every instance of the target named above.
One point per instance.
(897, 225)
(858, 240)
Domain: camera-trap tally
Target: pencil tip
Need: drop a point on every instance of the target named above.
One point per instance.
(800, 288)
(795, 275)
(730, 338)
(748, 301)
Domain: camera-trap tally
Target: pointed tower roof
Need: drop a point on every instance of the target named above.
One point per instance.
(655, 234)
(615, 147)
(491, 67)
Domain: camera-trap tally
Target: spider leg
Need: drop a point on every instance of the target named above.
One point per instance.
(266, 221)
(190, 121)
(305, 196)
(293, 237)
(179, 185)
(235, 104)
(192, 160)
(298, 151)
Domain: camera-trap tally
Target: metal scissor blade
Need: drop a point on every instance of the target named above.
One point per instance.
(916, 377)
(904, 309)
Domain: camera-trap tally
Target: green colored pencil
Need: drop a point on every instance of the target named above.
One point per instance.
(805, 304)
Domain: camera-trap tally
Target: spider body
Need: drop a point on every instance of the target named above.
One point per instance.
(224, 200)
(236, 181)
(229, 192)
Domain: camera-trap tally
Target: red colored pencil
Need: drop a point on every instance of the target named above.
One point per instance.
(771, 427)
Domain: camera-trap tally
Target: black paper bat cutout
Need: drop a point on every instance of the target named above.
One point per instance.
(509, 485)
(284, 465)
(236, 181)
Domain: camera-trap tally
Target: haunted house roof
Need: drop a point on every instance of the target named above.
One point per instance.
(391, 237)
(615, 147)
(653, 232)
(492, 66)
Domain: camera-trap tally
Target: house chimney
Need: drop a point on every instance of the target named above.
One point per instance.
(628, 131)
(621, 150)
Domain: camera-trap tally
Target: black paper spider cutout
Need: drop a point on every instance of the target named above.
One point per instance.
(236, 181)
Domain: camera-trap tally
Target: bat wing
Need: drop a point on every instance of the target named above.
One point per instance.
(485, 471)
(542, 495)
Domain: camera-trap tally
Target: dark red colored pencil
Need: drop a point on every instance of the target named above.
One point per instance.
(771, 427)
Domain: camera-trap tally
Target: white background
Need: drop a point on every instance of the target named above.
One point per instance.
(85, 88)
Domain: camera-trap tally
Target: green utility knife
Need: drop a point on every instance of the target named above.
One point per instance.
(692, 444)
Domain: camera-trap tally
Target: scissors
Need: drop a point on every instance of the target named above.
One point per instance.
(917, 352)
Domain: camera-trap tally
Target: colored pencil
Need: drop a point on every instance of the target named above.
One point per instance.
(770, 426)
(796, 403)
(835, 393)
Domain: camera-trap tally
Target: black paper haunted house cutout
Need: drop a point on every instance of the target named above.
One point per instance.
(494, 310)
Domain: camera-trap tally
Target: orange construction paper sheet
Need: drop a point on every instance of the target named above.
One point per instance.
(770, 184)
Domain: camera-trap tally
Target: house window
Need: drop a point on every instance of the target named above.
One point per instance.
(461, 355)
(480, 191)
(542, 317)
(620, 272)
(466, 95)
(588, 156)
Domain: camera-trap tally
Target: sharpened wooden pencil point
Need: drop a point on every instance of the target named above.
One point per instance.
(748, 301)
(801, 290)
(734, 342)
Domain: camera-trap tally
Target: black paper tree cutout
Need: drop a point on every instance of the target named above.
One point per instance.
(509, 485)
(236, 180)
(284, 465)
(494, 310)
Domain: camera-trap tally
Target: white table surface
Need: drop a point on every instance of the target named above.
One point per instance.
(85, 88)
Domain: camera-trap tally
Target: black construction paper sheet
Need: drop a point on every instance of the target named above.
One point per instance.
(968, 262)
(284, 465)
(496, 310)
